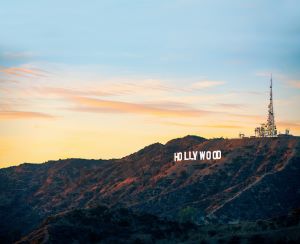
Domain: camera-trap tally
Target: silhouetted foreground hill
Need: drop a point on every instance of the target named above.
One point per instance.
(102, 225)
(255, 179)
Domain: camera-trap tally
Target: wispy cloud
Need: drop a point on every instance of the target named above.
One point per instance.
(85, 104)
(294, 83)
(67, 92)
(230, 105)
(249, 117)
(217, 126)
(12, 114)
(206, 84)
(289, 124)
(242, 92)
(264, 74)
(285, 78)
(275, 74)
(21, 72)
(17, 55)
(102, 88)
(222, 126)
(8, 80)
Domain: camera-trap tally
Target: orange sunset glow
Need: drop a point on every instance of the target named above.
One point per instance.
(104, 82)
(48, 116)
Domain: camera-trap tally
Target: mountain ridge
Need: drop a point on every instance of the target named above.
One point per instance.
(149, 181)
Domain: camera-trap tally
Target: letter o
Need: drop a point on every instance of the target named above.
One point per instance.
(208, 155)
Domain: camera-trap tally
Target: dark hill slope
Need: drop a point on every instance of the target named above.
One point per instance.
(103, 225)
(256, 178)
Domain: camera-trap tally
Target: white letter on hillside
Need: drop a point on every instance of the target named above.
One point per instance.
(202, 155)
(195, 155)
(217, 154)
(177, 156)
(208, 155)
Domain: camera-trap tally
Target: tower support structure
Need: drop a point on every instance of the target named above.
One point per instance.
(271, 127)
(268, 129)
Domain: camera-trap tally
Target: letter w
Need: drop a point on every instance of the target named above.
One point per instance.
(202, 155)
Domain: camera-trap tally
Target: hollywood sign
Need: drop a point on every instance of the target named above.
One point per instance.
(197, 155)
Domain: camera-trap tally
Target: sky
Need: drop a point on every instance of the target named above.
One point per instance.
(103, 79)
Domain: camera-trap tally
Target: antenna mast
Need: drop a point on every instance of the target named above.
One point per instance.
(271, 127)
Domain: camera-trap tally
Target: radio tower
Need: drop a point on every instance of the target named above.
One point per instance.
(271, 130)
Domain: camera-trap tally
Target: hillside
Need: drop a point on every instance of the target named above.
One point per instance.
(104, 225)
(101, 224)
(255, 179)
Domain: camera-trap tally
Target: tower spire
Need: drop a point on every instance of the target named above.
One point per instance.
(271, 127)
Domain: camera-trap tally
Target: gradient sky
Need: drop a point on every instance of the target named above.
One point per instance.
(102, 79)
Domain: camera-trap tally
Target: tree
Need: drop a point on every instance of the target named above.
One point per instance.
(187, 214)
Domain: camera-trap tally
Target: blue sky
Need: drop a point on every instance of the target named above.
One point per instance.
(185, 38)
(147, 59)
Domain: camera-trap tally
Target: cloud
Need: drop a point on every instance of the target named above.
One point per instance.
(18, 55)
(12, 114)
(248, 92)
(206, 84)
(288, 124)
(264, 74)
(143, 88)
(168, 104)
(8, 80)
(217, 126)
(230, 105)
(249, 117)
(224, 126)
(67, 92)
(294, 83)
(85, 104)
(286, 79)
(21, 72)
(275, 75)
